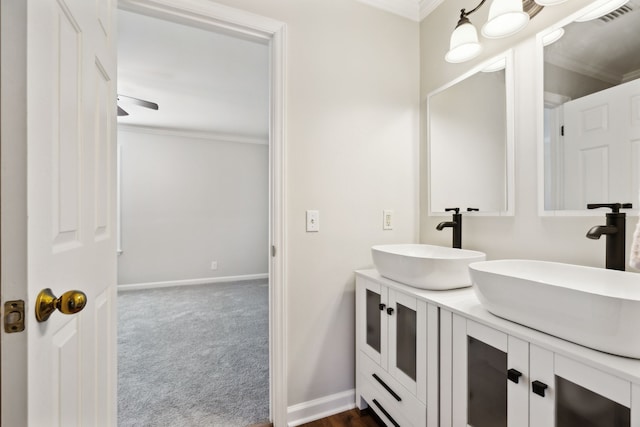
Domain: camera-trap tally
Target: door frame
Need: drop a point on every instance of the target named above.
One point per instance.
(201, 13)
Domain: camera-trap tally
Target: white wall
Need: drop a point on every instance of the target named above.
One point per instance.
(351, 152)
(188, 201)
(526, 235)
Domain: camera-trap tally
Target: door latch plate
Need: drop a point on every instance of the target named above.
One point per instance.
(13, 316)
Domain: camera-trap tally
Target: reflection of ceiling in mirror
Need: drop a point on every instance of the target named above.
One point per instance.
(608, 51)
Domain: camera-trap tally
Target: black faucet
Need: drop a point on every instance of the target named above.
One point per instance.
(615, 232)
(456, 224)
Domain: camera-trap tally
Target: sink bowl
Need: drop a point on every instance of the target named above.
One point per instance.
(425, 266)
(593, 307)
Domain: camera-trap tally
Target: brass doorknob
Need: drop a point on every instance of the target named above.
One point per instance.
(69, 303)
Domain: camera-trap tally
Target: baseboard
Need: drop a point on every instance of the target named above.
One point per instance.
(188, 282)
(320, 408)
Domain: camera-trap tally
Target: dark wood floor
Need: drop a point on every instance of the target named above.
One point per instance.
(352, 418)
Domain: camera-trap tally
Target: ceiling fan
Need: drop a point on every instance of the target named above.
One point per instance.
(136, 101)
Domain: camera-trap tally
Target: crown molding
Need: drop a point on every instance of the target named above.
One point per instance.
(589, 70)
(186, 133)
(428, 6)
(632, 75)
(406, 8)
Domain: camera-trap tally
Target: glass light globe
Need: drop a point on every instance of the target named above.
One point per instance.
(506, 17)
(464, 44)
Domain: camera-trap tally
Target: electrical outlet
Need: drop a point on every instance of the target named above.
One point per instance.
(313, 221)
(387, 220)
(214, 265)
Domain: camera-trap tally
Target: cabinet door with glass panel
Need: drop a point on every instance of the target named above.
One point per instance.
(392, 331)
(567, 393)
(489, 377)
(502, 381)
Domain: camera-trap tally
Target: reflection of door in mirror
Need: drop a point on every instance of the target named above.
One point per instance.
(591, 93)
(601, 141)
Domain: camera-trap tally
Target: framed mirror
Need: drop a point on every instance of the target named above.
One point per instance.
(591, 113)
(470, 141)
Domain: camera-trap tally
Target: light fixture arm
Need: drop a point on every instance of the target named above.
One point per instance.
(464, 13)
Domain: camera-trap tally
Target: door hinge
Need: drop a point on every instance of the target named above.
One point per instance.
(273, 250)
(14, 316)
(562, 130)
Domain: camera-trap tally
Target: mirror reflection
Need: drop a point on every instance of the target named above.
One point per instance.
(592, 112)
(467, 131)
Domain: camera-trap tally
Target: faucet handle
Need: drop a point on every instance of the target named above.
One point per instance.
(457, 210)
(615, 207)
(473, 210)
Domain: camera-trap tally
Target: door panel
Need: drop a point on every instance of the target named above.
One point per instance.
(65, 130)
(70, 203)
(102, 147)
(600, 132)
(66, 349)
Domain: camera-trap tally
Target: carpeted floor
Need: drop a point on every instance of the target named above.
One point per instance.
(194, 356)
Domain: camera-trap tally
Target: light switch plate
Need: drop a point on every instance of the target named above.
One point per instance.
(313, 221)
(387, 219)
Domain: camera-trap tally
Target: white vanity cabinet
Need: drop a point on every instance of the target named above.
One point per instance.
(499, 380)
(396, 354)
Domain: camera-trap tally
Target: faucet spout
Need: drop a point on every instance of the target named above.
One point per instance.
(445, 224)
(596, 232)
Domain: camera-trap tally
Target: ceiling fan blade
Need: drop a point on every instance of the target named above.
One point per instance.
(141, 102)
(121, 112)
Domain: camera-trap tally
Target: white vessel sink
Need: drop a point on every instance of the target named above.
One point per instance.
(425, 266)
(593, 307)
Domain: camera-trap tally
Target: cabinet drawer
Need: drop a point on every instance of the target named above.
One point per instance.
(385, 385)
(384, 405)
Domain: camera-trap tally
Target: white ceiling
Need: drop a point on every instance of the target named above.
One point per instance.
(202, 80)
(604, 50)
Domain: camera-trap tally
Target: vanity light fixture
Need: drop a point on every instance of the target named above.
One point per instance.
(601, 9)
(506, 17)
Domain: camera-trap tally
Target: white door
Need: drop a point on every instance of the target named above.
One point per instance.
(71, 84)
(602, 147)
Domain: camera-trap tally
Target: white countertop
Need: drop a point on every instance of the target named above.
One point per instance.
(465, 303)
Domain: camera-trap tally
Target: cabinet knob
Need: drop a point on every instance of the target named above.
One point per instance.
(390, 311)
(514, 375)
(382, 306)
(538, 388)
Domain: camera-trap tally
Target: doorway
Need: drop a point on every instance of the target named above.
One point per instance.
(193, 155)
(204, 14)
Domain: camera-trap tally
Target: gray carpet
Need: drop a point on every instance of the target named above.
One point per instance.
(194, 355)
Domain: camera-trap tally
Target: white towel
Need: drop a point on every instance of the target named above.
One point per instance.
(634, 255)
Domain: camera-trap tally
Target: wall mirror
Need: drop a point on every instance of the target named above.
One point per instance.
(591, 144)
(470, 141)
